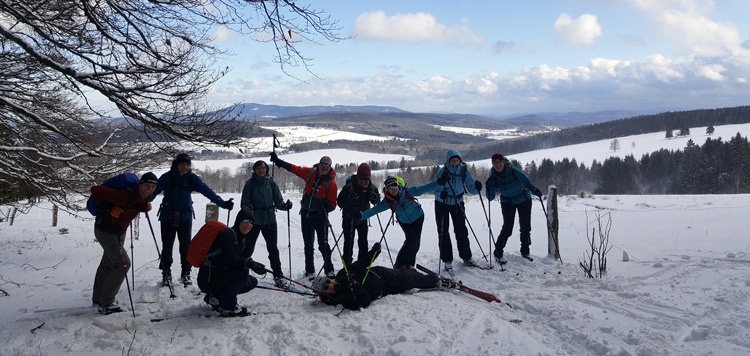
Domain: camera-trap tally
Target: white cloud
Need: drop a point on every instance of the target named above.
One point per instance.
(582, 31)
(417, 27)
(712, 72)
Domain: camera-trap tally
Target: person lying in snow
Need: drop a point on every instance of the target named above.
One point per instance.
(362, 285)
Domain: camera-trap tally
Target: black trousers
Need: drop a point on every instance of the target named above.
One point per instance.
(183, 231)
(524, 220)
(270, 234)
(407, 256)
(349, 230)
(316, 223)
(444, 213)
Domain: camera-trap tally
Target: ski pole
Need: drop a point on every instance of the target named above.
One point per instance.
(385, 240)
(229, 212)
(169, 281)
(463, 212)
(273, 164)
(549, 229)
(289, 238)
(375, 255)
(489, 224)
(131, 255)
(127, 284)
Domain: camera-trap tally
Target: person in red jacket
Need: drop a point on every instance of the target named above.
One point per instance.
(318, 200)
(119, 207)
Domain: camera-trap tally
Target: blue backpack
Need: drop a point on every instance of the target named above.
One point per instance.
(123, 180)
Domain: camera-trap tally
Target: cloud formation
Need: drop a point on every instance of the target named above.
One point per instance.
(582, 31)
(417, 27)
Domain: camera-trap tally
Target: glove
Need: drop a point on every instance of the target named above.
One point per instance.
(478, 185)
(229, 204)
(443, 194)
(256, 267)
(287, 206)
(537, 192)
(376, 247)
(275, 158)
(443, 178)
(115, 212)
(374, 198)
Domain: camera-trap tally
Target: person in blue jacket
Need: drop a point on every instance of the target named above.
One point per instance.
(409, 214)
(515, 191)
(176, 213)
(454, 179)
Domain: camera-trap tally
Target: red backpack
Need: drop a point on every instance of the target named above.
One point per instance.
(202, 242)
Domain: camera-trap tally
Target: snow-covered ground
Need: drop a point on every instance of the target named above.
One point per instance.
(684, 291)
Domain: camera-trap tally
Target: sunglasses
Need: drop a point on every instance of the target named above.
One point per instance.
(322, 164)
(391, 186)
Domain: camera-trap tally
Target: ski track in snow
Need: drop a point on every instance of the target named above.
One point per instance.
(685, 291)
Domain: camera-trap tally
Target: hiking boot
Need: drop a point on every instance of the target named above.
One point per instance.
(331, 275)
(448, 266)
(185, 279)
(469, 262)
(166, 279)
(280, 282)
(501, 260)
(310, 276)
(236, 311)
(212, 302)
(109, 308)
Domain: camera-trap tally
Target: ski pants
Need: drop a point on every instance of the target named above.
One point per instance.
(407, 256)
(524, 220)
(113, 268)
(228, 297)
(270, 234)
(443, 214)
(398, 281)
(183, 230)
(316, 222)
(349, 228)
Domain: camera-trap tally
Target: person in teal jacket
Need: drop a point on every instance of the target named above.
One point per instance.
(409, 214)
(261, 195)
(515, 191)
(454, 179)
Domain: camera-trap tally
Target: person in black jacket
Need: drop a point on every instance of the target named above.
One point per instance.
(224, 273)
(356, 197)
(362, 285)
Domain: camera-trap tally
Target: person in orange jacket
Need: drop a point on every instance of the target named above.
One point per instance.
(318, 199)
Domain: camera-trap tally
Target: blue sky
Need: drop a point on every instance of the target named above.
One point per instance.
(506, 57)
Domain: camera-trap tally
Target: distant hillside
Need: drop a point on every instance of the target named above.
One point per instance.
(612, 129)
(260, 112)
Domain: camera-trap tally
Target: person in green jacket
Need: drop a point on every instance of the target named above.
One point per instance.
(262, 196)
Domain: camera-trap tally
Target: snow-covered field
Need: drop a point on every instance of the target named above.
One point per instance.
(684, 291)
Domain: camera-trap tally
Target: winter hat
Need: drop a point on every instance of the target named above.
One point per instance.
(327, 160)
(498, 156)
(319, 283)
(149, 177)
(363, 171)
(182, 158)
(244, 215)
(390, 181)
(260, 163)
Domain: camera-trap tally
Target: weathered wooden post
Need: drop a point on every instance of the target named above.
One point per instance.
(54, 215)
(212, 212)
(553, 241)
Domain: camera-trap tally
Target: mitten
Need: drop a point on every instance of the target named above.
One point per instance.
(115, 212)
(374, 198)
(229, 204)
(478, 185)
(443, 194)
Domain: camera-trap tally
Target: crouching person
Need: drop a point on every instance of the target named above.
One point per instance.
(362, 285)
(224, 273)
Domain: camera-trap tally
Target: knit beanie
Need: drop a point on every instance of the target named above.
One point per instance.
(327, 160)
(182, 158)
(149, 177)
(363, 171)
(260, 163)
(498, 156)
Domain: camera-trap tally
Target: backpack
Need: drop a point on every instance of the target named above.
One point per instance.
(201, 243)
(124, 180)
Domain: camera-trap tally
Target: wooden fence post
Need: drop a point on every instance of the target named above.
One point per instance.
(54, 215)
(212, 212)
(553, 223)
